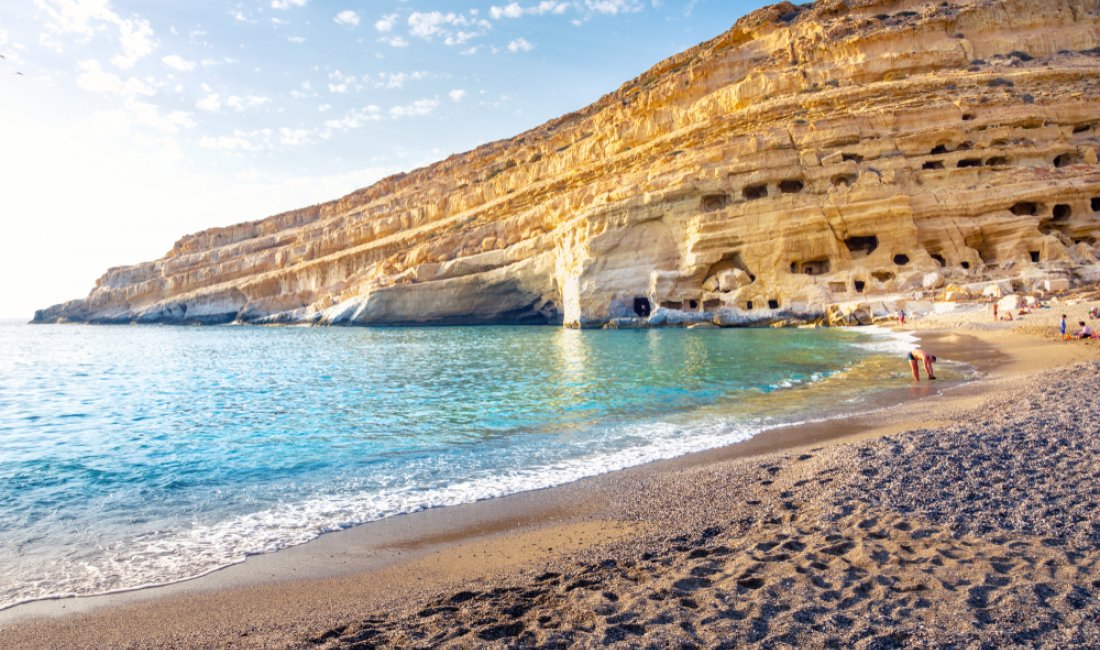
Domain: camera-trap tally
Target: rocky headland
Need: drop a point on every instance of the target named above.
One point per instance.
(814, 163)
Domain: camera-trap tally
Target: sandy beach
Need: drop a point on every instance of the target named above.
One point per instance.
(962, 517)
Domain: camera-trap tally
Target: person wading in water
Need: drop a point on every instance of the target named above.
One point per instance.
(920, 356)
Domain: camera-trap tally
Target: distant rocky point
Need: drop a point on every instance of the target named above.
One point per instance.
(810, 163)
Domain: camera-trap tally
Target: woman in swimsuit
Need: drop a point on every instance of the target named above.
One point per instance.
(920, 356)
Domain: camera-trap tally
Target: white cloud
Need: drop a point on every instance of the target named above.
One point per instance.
(451, 28)
(149, 115)
(304, 90)
(177, 62)
(391, 80)
(457, 95)
(515, 10)
(296, 39)
(512, 10)
(614, 6)
(251, 141)
(241, 104)
(136, 38)
(287, 4)
(386, 23)
(94, 78)
(85, 18)
(356, 119)
(394, 41)
(418, 108)
(520, 45)
(211, 103)
(348, 18)
(295, 137)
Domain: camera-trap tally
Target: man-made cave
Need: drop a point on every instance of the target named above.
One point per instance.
(861, 245)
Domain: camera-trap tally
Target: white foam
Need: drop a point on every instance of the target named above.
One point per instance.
(155, 560)
(887, 341)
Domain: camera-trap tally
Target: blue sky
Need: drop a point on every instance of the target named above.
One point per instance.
(127, 124)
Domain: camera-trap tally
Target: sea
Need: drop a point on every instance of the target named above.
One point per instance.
(133, 456)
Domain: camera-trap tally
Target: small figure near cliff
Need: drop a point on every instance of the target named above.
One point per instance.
(901, 317)
(1085, 332)
(920, 355)
(994, 311)
(1062, 328)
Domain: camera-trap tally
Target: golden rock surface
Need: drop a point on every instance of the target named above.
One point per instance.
(811, 162)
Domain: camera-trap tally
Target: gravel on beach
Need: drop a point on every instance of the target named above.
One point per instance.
(983, 533)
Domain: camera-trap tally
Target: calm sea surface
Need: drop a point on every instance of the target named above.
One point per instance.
(143, 455)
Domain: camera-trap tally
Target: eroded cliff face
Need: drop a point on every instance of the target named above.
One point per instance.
(809, 157)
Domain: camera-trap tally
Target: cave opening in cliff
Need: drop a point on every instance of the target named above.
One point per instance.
(843, 180)
(773, 304)
(1081, 128)
(882, 276)
(1062, 212)
(938, 149)
(753, 192)
(791, 186)
(1065, 159)
(862, 245)
(964, 146)
(965, 265)
(1025, 209)
(1034, 256)
(711, 305)
(729, 262)
(748, 305)
(642, 307)
(996, 161)
(932, 164)
(851, 157)
(967, 117)
(712, 202)
(939, 259)
(969, 162)
(672, 304)
(1094, 203)
(901, 259)
(859, 285)
(693, 304)
(812, 267)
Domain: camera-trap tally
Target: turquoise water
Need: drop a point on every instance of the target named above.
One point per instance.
(132, 455)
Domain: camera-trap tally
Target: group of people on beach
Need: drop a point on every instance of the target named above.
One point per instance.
(1085, 331)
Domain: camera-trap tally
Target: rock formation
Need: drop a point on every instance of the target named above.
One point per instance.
(863, 152)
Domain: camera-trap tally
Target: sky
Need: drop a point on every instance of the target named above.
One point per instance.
(125, 125)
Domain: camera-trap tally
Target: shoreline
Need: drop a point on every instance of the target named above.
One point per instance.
(316, 586)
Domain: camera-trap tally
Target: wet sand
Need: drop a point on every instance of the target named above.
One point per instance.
(962, 515)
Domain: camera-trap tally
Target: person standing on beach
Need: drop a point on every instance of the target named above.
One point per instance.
(920, 356)
(994, 311)
(1062, 328)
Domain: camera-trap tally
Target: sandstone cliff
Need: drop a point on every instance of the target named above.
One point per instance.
(811, 156)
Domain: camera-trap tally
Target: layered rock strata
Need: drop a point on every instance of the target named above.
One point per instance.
(809, 158)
